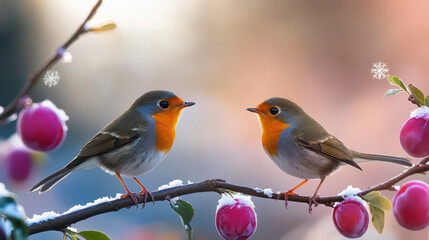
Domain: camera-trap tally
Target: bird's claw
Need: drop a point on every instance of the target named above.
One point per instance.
(312, 201)
(146, 193)
(286, 195)
(133, 196)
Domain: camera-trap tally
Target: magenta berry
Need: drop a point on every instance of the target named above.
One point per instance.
(414, 135)
(235, 217)
(411, 205)
(350, 218)
(42, 126)
(18, 164)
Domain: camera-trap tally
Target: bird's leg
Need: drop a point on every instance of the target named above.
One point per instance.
(312, 200)
(133, 196)
(145, 192)
(290, 192)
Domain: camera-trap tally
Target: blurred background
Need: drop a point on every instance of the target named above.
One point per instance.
(226, 56)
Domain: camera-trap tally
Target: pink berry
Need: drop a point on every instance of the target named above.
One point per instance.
(235, 217)
(42, 127)
(18, 165)
(414, 135)
(411, 205)
(350, 218)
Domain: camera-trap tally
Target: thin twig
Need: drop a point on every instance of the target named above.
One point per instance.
(412, 100)
(13, 106)
(212, 185)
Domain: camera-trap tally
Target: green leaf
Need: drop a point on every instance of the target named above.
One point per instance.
(186, 213)
(6, 200)
(417, 94)
(375, 199)
(397, 82)
(391, 92)
(72, 236)
(427, 100)
(377, 218)
(377, 205)
(93, 235)
(102, 27)
(10, 210)
(18, 234)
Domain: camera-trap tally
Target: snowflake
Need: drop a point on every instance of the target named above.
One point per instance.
(379, 70)
(51, 78)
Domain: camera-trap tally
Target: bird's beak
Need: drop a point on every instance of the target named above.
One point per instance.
(255, 110)
(186, 104)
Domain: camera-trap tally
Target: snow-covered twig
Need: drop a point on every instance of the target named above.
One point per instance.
(13, 106)
(212, 185)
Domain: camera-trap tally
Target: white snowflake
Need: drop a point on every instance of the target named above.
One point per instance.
(379, 70)
(51, 78)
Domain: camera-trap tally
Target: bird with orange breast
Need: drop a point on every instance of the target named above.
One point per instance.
(301, 147)
(132, 144)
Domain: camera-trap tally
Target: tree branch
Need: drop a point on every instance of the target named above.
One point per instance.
(212, 185)
(34, 78)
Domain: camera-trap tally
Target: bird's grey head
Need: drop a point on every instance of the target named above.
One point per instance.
(160, 101)
(278, 108)
(284, 109)
(153, 101)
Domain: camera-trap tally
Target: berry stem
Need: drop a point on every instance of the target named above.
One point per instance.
(412, 100)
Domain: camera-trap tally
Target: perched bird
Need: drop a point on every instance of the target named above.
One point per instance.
(132, 144)
(301, 147)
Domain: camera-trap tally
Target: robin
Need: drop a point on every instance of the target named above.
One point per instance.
(132, 144)
(301, 147)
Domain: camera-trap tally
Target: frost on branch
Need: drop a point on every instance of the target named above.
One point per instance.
(173, 183)
(267, 191)
(51, 214)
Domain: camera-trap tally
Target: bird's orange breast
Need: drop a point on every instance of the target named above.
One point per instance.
(165, 126)
(271, 130)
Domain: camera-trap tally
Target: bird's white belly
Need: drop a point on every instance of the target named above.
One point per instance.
(134, 163)
(298, 167)
(143, 166)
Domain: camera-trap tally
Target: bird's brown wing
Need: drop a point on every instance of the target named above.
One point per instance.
(123, 130)
(106, 142)
(102, 143)
(330, 147)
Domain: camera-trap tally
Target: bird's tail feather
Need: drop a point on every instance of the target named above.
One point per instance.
(50, 181)
(363, 157)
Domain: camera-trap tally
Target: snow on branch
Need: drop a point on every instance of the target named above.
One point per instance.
(212, 185)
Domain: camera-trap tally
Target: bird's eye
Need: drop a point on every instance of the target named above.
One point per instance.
(164, 104)
(274, 111)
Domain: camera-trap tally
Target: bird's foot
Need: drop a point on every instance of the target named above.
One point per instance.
(286, 195)
(312, 201)
(133, 196)
(146, 193)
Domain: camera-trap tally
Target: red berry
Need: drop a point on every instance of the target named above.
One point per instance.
(411, 205)
(414, 135)
(18, 164)
(350, 218)
(235, 217)
(42, 127)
